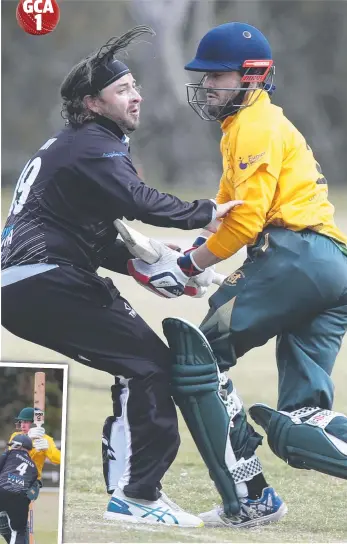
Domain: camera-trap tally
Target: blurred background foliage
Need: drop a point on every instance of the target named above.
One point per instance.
(17, 392)
(173, 148)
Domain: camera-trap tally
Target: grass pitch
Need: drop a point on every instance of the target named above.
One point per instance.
(317, 503)
(46, 510)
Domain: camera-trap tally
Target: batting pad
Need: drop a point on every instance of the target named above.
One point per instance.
(300, 438)
(195, 384)
(5, 529)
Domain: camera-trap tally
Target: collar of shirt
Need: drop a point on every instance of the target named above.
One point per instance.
(252, 110)
(113, 127)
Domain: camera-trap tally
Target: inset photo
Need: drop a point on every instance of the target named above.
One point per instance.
(32, 445)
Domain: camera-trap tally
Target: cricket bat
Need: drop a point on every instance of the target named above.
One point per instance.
(39, 419)
(141, 247)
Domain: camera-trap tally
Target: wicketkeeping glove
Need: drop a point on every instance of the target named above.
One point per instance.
(33, 491)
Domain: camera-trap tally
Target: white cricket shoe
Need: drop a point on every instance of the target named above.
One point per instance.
(268, 508)
(160, 512)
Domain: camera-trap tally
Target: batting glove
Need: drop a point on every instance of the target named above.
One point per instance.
(36, 432)
(41, 444)
(169, 276)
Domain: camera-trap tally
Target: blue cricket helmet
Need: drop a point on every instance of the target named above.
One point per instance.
(226, 47)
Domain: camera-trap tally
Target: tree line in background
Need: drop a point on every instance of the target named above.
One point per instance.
(17, 392)
(173, 146)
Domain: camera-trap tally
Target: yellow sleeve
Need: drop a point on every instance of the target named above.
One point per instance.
(257, 147)
(53, 454)
(255, 164)
(244, 223)
(223, 193)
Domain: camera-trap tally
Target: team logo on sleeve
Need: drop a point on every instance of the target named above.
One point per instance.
(235, 277)
(252, 159)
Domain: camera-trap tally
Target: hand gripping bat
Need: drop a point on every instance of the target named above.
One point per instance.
(141, 247)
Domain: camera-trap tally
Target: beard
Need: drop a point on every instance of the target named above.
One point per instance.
(215, 110)
(225, 107)
(220, 104)
(219, 111)
(128, 125)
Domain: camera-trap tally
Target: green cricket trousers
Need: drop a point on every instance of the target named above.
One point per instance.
(292, 286)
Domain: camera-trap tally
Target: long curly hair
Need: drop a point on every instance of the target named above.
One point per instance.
(79, 81)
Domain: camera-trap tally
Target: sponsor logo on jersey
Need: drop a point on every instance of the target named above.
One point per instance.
(114, 154)
(252, 159)
(14, 479)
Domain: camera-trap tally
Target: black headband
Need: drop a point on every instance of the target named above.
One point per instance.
(107, 73)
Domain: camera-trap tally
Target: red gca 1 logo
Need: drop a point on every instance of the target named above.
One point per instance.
(38, 17)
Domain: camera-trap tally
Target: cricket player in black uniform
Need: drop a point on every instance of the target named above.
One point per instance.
(18, 485)
(58, 232)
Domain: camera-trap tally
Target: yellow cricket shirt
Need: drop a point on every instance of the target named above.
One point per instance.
(39, 457)
(268, 164)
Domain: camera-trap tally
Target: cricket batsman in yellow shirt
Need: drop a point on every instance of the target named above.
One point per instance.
(293, 286)
(43, 445)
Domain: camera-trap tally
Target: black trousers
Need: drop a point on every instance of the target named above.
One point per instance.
(17, 508)
(83, 316)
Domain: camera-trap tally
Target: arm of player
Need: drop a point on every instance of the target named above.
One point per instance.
(52, 453)
(124, 194)
(244, 224)
(252, 177)
(115, 257)
(222, 197)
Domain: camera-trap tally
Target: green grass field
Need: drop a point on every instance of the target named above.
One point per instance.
(46, 518)
(317, 503)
